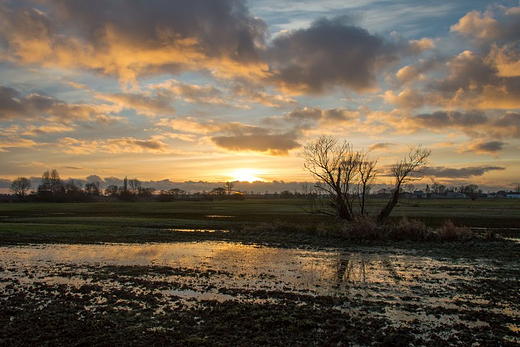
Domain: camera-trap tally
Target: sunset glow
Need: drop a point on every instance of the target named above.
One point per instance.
(163, 91)
(245, 175)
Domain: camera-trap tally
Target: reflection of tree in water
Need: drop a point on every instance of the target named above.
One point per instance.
(350, 270)
(353, 268)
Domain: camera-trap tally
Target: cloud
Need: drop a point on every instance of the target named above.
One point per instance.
(476, 24)
(115, 145)
(483, 147)
(408, 98)
(47, 129)
(485, 27)
(235, 136)
(135, 146)
(331, 52)
(485, 81)
(465, 172)
(381, 146)
(16, 142)
(278, 144)
(424, 44)
(485, 77)
(443, 119)
(505, 59)
(15, 106)
(308, 118)
(474, 123)
(94, 178)
(255, 93)
(136, 38)
(143, 104)
(10, 105)
(416, 71)
(205, 94)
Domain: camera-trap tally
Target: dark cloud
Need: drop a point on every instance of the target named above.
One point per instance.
(507, 125)
(441, 119)
(10, 105)
(278, 144)
(133, 38)
(330, 52)
(219, 26)
(483, 147)
(468, 71)
(474, 123)
(310, 118)
(383, 145)
(136, 146)
(465, 172)
(14, 105)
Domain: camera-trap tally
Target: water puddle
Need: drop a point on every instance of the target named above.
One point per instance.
(395, 284)
(199, 230)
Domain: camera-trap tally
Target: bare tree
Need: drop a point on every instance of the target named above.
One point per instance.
(134, 185)
(93, 188)
(402, 172)
(367, 175)
(219, 191)
(51, 185)
(20, 187)
(342, 174)
(57, 187)
(112, 190)
(229, 187)
(345, 176)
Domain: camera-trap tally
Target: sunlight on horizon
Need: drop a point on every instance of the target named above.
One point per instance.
(246, 175)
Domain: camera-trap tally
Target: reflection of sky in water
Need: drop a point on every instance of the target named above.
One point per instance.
(367, 271)
(262, 267)
(389, 278)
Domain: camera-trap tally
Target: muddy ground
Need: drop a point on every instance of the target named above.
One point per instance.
(224, 293)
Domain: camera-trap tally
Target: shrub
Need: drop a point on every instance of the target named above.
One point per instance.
(407, 229)
(492, 236)
(449, 232)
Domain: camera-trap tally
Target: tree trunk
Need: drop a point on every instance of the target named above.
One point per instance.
(343, 210)
(385, 212)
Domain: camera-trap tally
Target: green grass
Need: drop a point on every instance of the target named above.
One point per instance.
(150, 221)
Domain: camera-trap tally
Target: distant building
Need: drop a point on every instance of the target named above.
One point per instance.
(513, 196)
(455, 195)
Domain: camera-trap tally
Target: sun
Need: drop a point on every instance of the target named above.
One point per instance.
(245, 175)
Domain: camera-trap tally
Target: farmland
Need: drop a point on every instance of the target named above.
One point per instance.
(157, 222)
(252, 272)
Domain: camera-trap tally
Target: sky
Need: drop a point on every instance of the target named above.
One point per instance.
(221, 90)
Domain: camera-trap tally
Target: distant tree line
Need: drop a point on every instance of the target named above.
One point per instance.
(53, 189)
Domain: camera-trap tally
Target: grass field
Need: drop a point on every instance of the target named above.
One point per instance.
(156, 221)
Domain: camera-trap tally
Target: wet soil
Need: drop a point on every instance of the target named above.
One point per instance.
(223, 293)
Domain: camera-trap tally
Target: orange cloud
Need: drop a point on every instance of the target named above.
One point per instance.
(119, 145)
(178, 36)
(476, 24)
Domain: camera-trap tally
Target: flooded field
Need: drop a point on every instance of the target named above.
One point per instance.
(218, 292)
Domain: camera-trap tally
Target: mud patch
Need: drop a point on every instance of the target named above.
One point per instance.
(217, 293)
